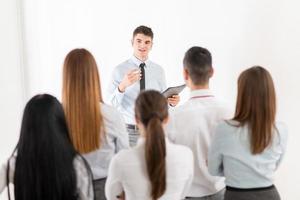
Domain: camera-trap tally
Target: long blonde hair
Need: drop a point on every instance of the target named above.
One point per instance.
(81, 97)
(256, 106)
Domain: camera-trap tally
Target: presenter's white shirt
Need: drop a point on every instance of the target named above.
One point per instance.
(128, 173)
(124, 101)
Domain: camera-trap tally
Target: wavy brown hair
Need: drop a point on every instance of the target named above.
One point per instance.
(256, 106)
(151, 109)
(81, 96)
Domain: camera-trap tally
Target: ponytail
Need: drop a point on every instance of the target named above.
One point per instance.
(151, 108)
(156, 157)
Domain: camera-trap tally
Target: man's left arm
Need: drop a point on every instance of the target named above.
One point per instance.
(172, 101)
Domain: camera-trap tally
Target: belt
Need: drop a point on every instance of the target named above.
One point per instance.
(249, 189)
(132, 126)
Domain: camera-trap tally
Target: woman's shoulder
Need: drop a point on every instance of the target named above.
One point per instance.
(281, 126)
(228, 125)
(126, 156)
(79, 163)
(282, 130)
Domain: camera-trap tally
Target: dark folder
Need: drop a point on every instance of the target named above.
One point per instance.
(169, 92)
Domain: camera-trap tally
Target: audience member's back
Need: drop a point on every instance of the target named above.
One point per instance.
(97, 130)
(45, 164)
(155, 168)
(193, 123)
(248, 149)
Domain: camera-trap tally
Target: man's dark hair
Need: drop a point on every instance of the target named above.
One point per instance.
(143, 30)
(198, 62)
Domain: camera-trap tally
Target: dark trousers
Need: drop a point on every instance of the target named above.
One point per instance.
(133, 134)
(269, 193)
(99, 189)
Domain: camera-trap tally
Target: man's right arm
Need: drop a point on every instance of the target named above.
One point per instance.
(119, 84)
(115, 96)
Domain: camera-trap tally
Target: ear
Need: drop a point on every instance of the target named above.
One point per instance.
(137, 120)
(166, 120)
(185, 74)
(211, 72)
(132, 41)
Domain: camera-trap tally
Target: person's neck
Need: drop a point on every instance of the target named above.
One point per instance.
(199, 87)
(143, 59)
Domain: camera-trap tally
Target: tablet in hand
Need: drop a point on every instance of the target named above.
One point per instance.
(169, 92)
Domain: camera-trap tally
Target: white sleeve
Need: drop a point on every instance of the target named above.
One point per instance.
(3, 170)
(163, 81)
(215, 157)
(283, 138)
(3, 177)
(170, 128)
(115, 96)
(191, 175)
(113, 185)
(84, 180)
(122, 140)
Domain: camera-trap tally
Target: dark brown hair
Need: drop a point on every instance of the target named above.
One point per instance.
(256, 106)
(198, 62)
(151, 109)
(143, 30)
(81, 97)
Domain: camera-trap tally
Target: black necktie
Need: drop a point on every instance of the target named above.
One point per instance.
(142, 81)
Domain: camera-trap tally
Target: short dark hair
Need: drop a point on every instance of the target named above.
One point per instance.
(198, 62)
(143, 30)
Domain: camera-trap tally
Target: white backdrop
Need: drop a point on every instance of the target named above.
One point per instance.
(239, 34)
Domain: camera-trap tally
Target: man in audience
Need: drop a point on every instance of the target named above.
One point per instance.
(193, 123)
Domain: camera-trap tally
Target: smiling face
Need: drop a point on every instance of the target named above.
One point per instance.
(142, 44)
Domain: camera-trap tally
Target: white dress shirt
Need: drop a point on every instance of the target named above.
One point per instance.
(116, 139)
(124, 102)
(84, 182)
(128, 173)
(192, 124)
(230, 156)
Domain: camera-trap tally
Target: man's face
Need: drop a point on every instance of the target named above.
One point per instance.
(142, 45)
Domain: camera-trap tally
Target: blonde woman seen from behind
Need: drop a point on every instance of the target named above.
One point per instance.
(248, 149)
(97, 130)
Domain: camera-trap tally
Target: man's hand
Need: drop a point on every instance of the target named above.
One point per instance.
(121, 196)
(130, 78)
(174, 100)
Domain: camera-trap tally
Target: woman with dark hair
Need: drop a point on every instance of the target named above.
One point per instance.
(155, 168)
(45, 165)
(97, 130)
(248, 149)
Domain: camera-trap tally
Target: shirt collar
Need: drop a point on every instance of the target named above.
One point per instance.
(137, 61)
(201, 93)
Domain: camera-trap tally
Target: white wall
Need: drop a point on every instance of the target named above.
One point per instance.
(11, 84)
(238, 33)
